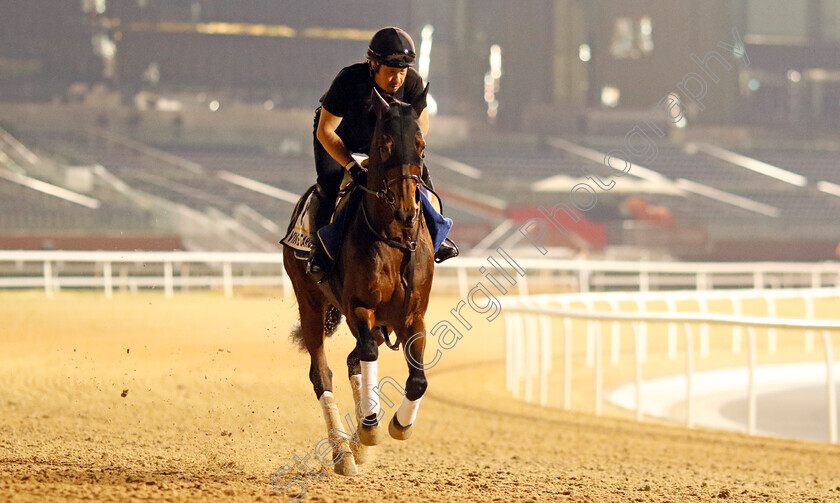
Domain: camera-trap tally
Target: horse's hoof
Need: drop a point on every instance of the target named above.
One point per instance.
(361, 453)
(398, 431)
(346, 465)
(371, 435)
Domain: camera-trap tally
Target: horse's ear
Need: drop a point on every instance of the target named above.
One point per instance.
(420, 102)
(378, 103)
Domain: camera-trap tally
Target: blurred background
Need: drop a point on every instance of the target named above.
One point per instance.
(187, 124)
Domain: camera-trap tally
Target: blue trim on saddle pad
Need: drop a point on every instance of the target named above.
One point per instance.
(439, 225)
(332, 235)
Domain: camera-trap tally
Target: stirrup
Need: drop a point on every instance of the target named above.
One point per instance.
(448, 249)
(315, 268)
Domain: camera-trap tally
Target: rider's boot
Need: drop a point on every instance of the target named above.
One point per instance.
(318, 264)
(448, 249)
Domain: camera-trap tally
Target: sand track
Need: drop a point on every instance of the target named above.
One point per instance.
(218, 400)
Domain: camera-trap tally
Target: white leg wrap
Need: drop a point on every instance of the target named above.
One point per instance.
(407, 412)
(369, 382)
(330, 409)
(356, 386)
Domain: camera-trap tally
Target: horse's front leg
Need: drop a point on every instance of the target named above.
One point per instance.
(364, 378)
(414, 343)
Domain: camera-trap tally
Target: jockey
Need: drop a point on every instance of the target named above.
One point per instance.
(344, 124)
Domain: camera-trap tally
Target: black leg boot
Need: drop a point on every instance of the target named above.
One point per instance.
(318, 265)
(448, 249)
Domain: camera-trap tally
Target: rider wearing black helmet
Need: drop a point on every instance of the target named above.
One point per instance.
(344, 124)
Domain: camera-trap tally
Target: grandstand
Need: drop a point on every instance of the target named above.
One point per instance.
(177, 129)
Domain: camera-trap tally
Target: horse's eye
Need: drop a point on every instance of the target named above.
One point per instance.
(385, 147)
(420, 145)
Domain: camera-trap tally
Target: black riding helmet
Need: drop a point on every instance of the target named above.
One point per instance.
(392, 47)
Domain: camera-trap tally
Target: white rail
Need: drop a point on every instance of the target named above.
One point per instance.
(95, 269)
(569, 275)
(524, 323)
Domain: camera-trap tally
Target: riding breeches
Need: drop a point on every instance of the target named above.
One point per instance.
(330, 172)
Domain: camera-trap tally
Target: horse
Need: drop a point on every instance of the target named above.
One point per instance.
(380, 282)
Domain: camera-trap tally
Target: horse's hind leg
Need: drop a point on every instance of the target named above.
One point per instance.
(402, 423)
(312, 327)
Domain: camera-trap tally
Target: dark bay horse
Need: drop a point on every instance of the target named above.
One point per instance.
(380, 282)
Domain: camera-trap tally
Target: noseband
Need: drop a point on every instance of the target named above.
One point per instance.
(386, 195)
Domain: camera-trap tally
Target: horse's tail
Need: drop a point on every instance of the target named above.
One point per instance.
(332, 320)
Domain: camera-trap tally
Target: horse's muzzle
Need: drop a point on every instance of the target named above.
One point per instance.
(407, 218)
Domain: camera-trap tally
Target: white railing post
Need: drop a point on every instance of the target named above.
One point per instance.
(545, 357)
(758, 279)
(689, 376)
(522, 283)
(751, 391)
(567, 364)
(227, 279)
(644, 281)
(599, 385)
(108, 279)
(532, 349)
(643, 331)
(518, 354)
(702, 281)
(583, 281)
(508, 352)
(672, 330)
(737, 330)
(637, 363)
(615, 334)
(830, 387)
(168, 280)
(48, 278)
(705, 338)
(590, 338)
(463, 282)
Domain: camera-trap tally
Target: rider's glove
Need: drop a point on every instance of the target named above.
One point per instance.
(357, 173)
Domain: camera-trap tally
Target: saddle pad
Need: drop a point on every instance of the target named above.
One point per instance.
(332, 235)
(298, 236)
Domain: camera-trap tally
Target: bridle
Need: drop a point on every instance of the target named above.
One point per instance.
(386, 195)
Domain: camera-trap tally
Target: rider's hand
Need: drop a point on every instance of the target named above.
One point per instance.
(358, 173)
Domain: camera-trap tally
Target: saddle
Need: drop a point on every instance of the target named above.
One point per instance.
(332, 235)
(299, 236)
